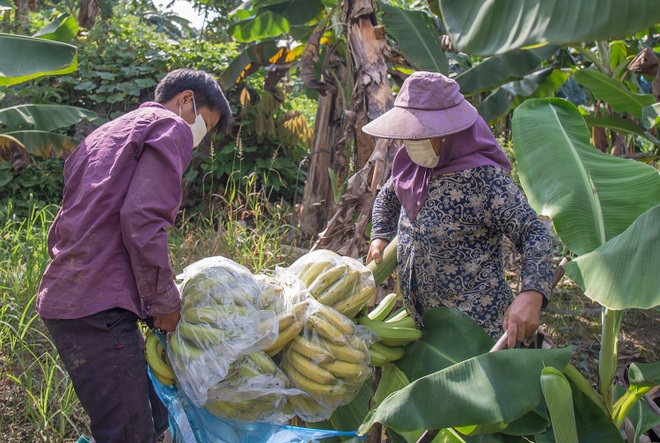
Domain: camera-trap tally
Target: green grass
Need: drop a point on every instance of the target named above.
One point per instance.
(37, 402)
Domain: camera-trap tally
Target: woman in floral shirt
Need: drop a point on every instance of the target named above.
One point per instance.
(451, 202)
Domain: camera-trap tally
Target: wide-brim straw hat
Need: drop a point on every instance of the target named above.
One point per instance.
(428, 105)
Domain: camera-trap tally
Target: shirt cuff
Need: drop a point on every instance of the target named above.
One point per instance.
(164, 303)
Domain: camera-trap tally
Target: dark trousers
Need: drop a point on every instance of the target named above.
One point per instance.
(104, 356)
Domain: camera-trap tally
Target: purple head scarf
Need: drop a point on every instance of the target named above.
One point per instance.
(463, 150)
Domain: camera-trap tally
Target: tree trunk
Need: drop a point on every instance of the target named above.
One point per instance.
(371, 98)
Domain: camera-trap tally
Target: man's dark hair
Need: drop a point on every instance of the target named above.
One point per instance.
(207, 93)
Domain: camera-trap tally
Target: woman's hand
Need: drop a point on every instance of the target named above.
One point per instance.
(375, 249)
(523, 317)
(167, 322)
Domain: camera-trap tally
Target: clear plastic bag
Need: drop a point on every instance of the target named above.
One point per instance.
(220, 324)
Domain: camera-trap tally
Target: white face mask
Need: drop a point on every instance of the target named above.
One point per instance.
(422, 153)
(198, 127)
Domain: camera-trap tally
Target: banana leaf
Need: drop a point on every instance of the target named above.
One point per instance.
(640, 415)
(297, 12)
(44, 117)
(612, 91)
(44, 144)
(615, 123)
(490, 388)
(487, 27)
(590, 196)
(417, 37)
(623, 272)
(247, 62)
(24, 58)
(540, 84)
(558, 397)
(500, 69)
(651, 116)
(265, 24)
(63, 29)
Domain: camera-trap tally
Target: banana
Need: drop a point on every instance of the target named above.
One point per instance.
(201, 333)
(164, 380)
(309, 368)
(298, 310)
(345, 369)
(397, 315)
(343, 324)
(314, 271)
(263, 362)
(391, 353)
(325, 329)
(273, 352)
(352, 305)
(345, 353)
(383, 309)
(284, 319)
(377, 359)
(153, 351)
(391, 335)
(310, 350)
(308, 385)
(286, 335)
(178, 346)
(309, 409)
(326, 279)
(213, 315)
(343, 288)
(405, 322)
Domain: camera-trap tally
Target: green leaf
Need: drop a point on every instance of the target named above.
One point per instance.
(493, 387)
(500, 69)
(450, 337)
(486, 27)
(615, 123)
(593, 425)
(644, 374)
(44, 117)
(246, 62)
(618, 53)
(348, 417)
(265, 24)
(651, 116)
(298, 12)
(64, 29)
(45, 144)
(612, 91)
(623, 273)
(590, 196)
(558, 397)
(24, 58)
(417, 37)
(539, 84)
(640, 415)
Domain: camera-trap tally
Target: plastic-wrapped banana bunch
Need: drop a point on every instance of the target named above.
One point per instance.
(341, 282)
(256, 391)
(392, 329)
(328, 361)
(220, 323)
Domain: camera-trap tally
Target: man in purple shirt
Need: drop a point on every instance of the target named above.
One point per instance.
(110, 263)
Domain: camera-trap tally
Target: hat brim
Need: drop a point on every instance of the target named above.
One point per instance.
(416, 124)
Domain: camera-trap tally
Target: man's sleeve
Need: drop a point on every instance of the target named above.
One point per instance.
(150, 208)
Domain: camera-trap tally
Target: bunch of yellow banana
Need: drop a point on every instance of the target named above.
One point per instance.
(393, 331)
(254, 392)
(158, 360)
(333, 280)
(328, 361)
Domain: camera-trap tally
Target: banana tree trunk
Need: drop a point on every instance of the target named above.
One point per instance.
(371, 97)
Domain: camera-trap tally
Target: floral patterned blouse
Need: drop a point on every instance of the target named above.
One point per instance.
(451, 254)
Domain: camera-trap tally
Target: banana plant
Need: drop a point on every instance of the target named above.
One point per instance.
(45, 53)
(606, 210)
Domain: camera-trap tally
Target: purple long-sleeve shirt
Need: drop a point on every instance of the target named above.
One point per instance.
(122, 190)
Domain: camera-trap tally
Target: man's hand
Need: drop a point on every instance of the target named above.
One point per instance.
(523, 317)
(375, 249)
(167, 322)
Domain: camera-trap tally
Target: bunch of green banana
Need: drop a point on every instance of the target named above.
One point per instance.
(158, 360)
(254, 391)
(393, 331)
(340, 282)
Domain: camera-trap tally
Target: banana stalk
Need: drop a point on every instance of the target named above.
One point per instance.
(387, 265)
